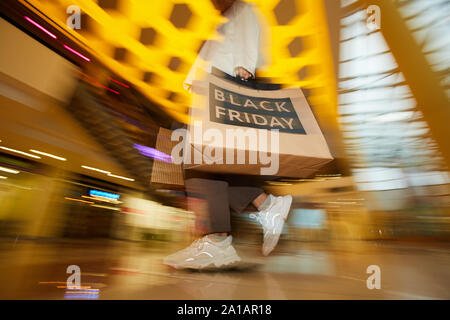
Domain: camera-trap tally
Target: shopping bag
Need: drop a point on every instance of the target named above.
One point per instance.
(240, 130)
(164, 171)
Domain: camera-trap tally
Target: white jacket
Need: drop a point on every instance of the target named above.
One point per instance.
(240, 46)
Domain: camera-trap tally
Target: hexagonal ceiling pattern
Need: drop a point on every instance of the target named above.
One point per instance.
(153, 43)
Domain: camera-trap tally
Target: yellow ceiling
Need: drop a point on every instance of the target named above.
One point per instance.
(159, 54)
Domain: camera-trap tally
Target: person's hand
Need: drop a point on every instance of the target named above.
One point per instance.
(242, 73)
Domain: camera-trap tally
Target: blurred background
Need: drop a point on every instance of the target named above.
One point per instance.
(86, 176)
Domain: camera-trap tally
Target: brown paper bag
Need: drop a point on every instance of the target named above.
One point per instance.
(165, 172)
(236, 129)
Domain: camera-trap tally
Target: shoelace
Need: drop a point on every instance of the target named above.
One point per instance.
(257, 217)
(199, 244)
(261, 216)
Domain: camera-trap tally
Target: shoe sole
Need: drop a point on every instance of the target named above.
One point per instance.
(229, 263)
(274, 240)
(212, 266)
(235, 266)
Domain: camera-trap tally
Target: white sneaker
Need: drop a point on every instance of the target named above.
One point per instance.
(272, 220)
(204, 253)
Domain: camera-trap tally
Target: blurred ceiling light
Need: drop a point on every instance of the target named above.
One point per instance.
(3, 177)
(116, 92)
(105, 207)
(95, 169)
(79, 200)
(20, 152)
(9, 170)
(17, 186)
(199, 21)
(76, 52)
(120, 177)
(118, 82)
(41, 27)
(48, 155)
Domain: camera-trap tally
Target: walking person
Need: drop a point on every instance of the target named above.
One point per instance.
(239, 55)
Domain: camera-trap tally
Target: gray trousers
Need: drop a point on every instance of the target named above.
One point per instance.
(220, 197)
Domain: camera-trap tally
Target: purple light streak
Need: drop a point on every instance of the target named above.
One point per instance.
(152, 153)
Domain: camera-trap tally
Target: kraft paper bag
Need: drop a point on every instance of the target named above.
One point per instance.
(165, 171)
(232, 130)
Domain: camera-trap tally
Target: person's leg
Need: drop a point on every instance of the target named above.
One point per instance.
(272, 212)
(214, 249)
(241, 197)
(215, 194)
(260, 200)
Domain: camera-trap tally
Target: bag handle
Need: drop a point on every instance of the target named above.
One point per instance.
(251, 83)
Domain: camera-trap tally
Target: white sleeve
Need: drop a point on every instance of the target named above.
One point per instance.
(246, 39)
(199, 64)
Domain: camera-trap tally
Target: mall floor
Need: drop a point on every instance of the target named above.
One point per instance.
(112, 269)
